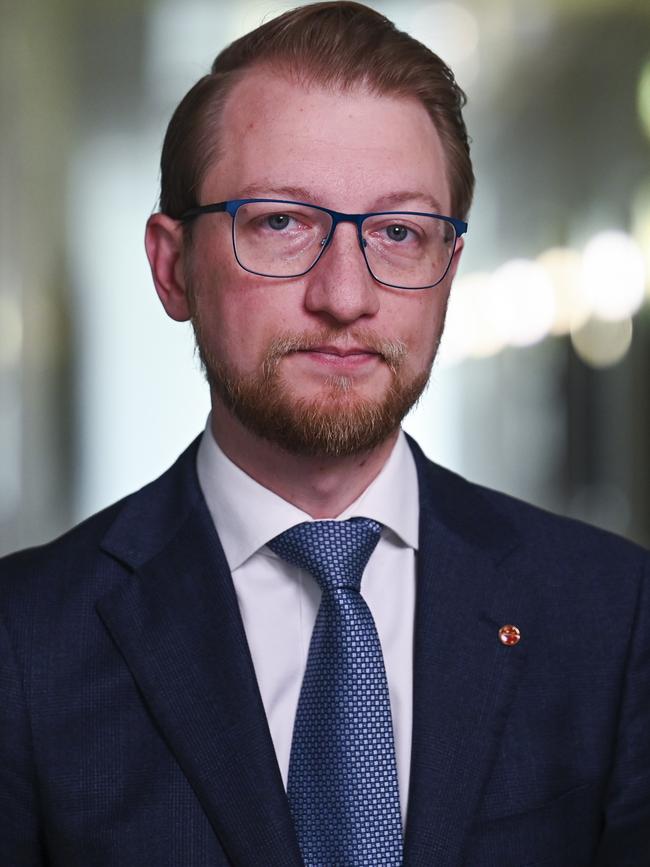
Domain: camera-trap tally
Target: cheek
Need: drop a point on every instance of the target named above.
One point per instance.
(418, 322)
(239, 320)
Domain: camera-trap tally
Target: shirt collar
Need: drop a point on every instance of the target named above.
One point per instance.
(246, 514)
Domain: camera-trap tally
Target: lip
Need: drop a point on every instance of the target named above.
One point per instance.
(338, 359)
(341, 352)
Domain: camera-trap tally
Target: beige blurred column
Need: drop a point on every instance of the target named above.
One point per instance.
(36, 94)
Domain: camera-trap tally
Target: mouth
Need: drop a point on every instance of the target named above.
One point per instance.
(339, 360)
(341, 352)
(338, 354)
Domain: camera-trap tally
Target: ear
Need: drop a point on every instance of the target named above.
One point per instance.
(164, 245)
(455, 259)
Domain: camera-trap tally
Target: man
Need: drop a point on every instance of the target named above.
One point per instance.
(484, 698)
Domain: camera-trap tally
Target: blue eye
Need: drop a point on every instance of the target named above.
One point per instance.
(278, 221)
(397, 233)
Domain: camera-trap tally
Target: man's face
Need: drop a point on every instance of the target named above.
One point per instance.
(327, 363)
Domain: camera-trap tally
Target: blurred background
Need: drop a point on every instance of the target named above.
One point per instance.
(542, 385)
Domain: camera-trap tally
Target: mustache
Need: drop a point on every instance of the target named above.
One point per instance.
(392, 352)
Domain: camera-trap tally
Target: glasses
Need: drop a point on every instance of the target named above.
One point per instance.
(283, 239)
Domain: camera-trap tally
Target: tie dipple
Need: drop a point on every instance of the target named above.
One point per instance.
(342, 783)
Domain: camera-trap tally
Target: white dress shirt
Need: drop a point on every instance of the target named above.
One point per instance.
(279, 602)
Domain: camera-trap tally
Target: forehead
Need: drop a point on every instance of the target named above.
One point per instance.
(348, 148)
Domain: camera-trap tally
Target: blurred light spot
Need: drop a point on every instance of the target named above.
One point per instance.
(643, 97)
(522, 302)
(448, 29)
(641, 227)
(468, 330)
(562, 265)
(613, 275)
(602, 343)
(11, 332)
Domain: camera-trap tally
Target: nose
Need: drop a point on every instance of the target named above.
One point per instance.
(340, 285)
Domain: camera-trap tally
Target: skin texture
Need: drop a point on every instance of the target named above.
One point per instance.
(353, 152)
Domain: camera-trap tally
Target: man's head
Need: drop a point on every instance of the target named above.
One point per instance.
(328, 105)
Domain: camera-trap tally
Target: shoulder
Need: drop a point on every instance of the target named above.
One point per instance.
(511, 528)
(579, 594)
(92, 557)
(76, 552)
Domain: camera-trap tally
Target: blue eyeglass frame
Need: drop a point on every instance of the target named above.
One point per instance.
(231, 206)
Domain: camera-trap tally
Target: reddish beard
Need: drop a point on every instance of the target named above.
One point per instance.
(337, 421)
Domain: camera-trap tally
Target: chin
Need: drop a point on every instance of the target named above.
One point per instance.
(337, 389)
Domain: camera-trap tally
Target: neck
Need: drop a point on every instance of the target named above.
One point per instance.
(320, 486)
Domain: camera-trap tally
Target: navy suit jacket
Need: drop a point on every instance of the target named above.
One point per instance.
(132, 733)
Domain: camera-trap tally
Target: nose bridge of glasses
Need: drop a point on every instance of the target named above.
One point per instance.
(338, 217)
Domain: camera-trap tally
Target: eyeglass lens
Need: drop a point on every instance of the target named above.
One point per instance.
(286, 239)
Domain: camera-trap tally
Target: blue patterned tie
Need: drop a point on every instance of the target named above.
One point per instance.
(342, 784)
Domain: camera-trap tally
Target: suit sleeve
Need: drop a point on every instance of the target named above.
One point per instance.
(626, 837)
(20, 837)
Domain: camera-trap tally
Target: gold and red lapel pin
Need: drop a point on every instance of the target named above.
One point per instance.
(509, 635)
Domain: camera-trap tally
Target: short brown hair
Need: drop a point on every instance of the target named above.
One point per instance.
(337, 44)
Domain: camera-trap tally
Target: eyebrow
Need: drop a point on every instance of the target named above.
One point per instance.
(397, 199)
(258, 190)
(388, 202)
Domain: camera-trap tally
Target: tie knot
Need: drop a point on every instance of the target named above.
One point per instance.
(334, 552)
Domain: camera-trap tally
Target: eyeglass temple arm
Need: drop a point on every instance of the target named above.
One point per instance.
(203, 209)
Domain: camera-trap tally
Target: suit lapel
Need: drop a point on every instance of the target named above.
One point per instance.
(177, 624)
(464, 678)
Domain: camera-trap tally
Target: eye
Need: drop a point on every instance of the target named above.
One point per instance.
(278, 221)
(397, 232)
